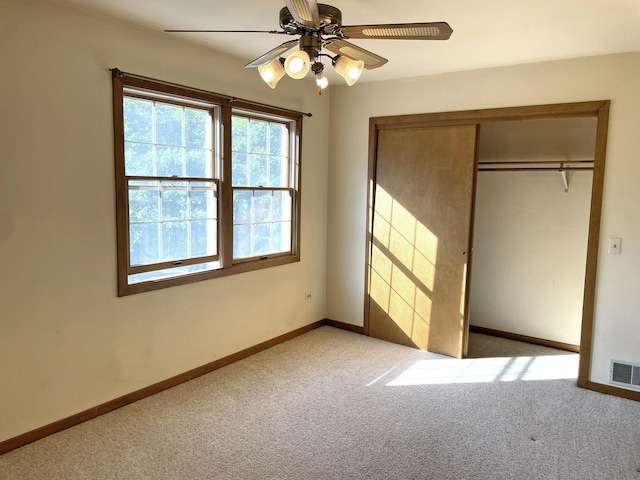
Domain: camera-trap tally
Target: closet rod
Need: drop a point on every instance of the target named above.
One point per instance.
(541, 169)
(540, 165)
(554, 162)
(562, 167)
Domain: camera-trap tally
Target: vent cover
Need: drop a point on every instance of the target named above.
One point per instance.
(625, 374)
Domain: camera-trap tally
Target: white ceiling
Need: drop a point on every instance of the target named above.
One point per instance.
(486, 33)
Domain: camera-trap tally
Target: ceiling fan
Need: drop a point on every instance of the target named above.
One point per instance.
(320, 28)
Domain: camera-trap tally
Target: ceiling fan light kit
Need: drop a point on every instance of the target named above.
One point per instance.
(297, 64)
(272, 72)
(320, 28)
(348, 68)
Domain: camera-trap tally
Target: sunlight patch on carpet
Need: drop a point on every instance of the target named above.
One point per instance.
(484, 370)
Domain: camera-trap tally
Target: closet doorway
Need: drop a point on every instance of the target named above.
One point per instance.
(394, 284)
(533, 196)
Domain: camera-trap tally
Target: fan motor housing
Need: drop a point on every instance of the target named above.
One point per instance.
(330, 19)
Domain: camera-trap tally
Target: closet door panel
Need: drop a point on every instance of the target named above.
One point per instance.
(417, 289)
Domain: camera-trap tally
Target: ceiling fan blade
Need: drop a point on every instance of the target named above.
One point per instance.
(272, 54)
(348, 49)
(305, 12)
(276, 32)
(402, 31)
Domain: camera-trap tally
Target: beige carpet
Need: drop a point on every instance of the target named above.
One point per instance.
(336, 405)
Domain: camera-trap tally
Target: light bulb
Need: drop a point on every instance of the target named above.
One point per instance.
(322, 81)
(296, 65)
(354, 73)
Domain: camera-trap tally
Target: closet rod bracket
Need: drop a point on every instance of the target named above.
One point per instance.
(565, 177)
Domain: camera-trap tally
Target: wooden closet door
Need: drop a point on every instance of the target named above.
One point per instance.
(422, 211)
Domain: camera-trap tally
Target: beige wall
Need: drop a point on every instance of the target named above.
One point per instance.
(67, 342)
(612, 77)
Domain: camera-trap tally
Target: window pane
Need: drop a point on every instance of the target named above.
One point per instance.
(239, 134)
(258, 170)
(198, 163)
(196, 129)
(183, 140)
(278, 139)
(284, 244)
(174, 205)
(262, 206)
(281, 237)
(268, 213)
(203, 238)
(138, 120)
(168, 124)
(144, 243)
(203, 204)
(242, 241)
(239, 169)
(144, 206)
(278, 172)
(172, 272)
(172, 220)
(282, 206)
(175, 240)
(138, 159)
(169, 161)
(261, 239)
(267, 145)
(258, 136)
(242, 206)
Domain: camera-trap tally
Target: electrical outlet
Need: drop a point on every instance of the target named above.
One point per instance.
(307, 296)
(615, 246)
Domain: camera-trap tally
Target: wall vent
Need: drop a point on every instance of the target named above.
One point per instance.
(625, 374)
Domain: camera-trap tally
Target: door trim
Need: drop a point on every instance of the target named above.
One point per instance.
(598, 109)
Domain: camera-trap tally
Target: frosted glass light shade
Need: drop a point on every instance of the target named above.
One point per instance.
(297, 64)
(349, 69)
(272, 72)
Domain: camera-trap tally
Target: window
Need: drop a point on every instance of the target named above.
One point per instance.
(171, 190)
(187, 210)
(262, 193)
